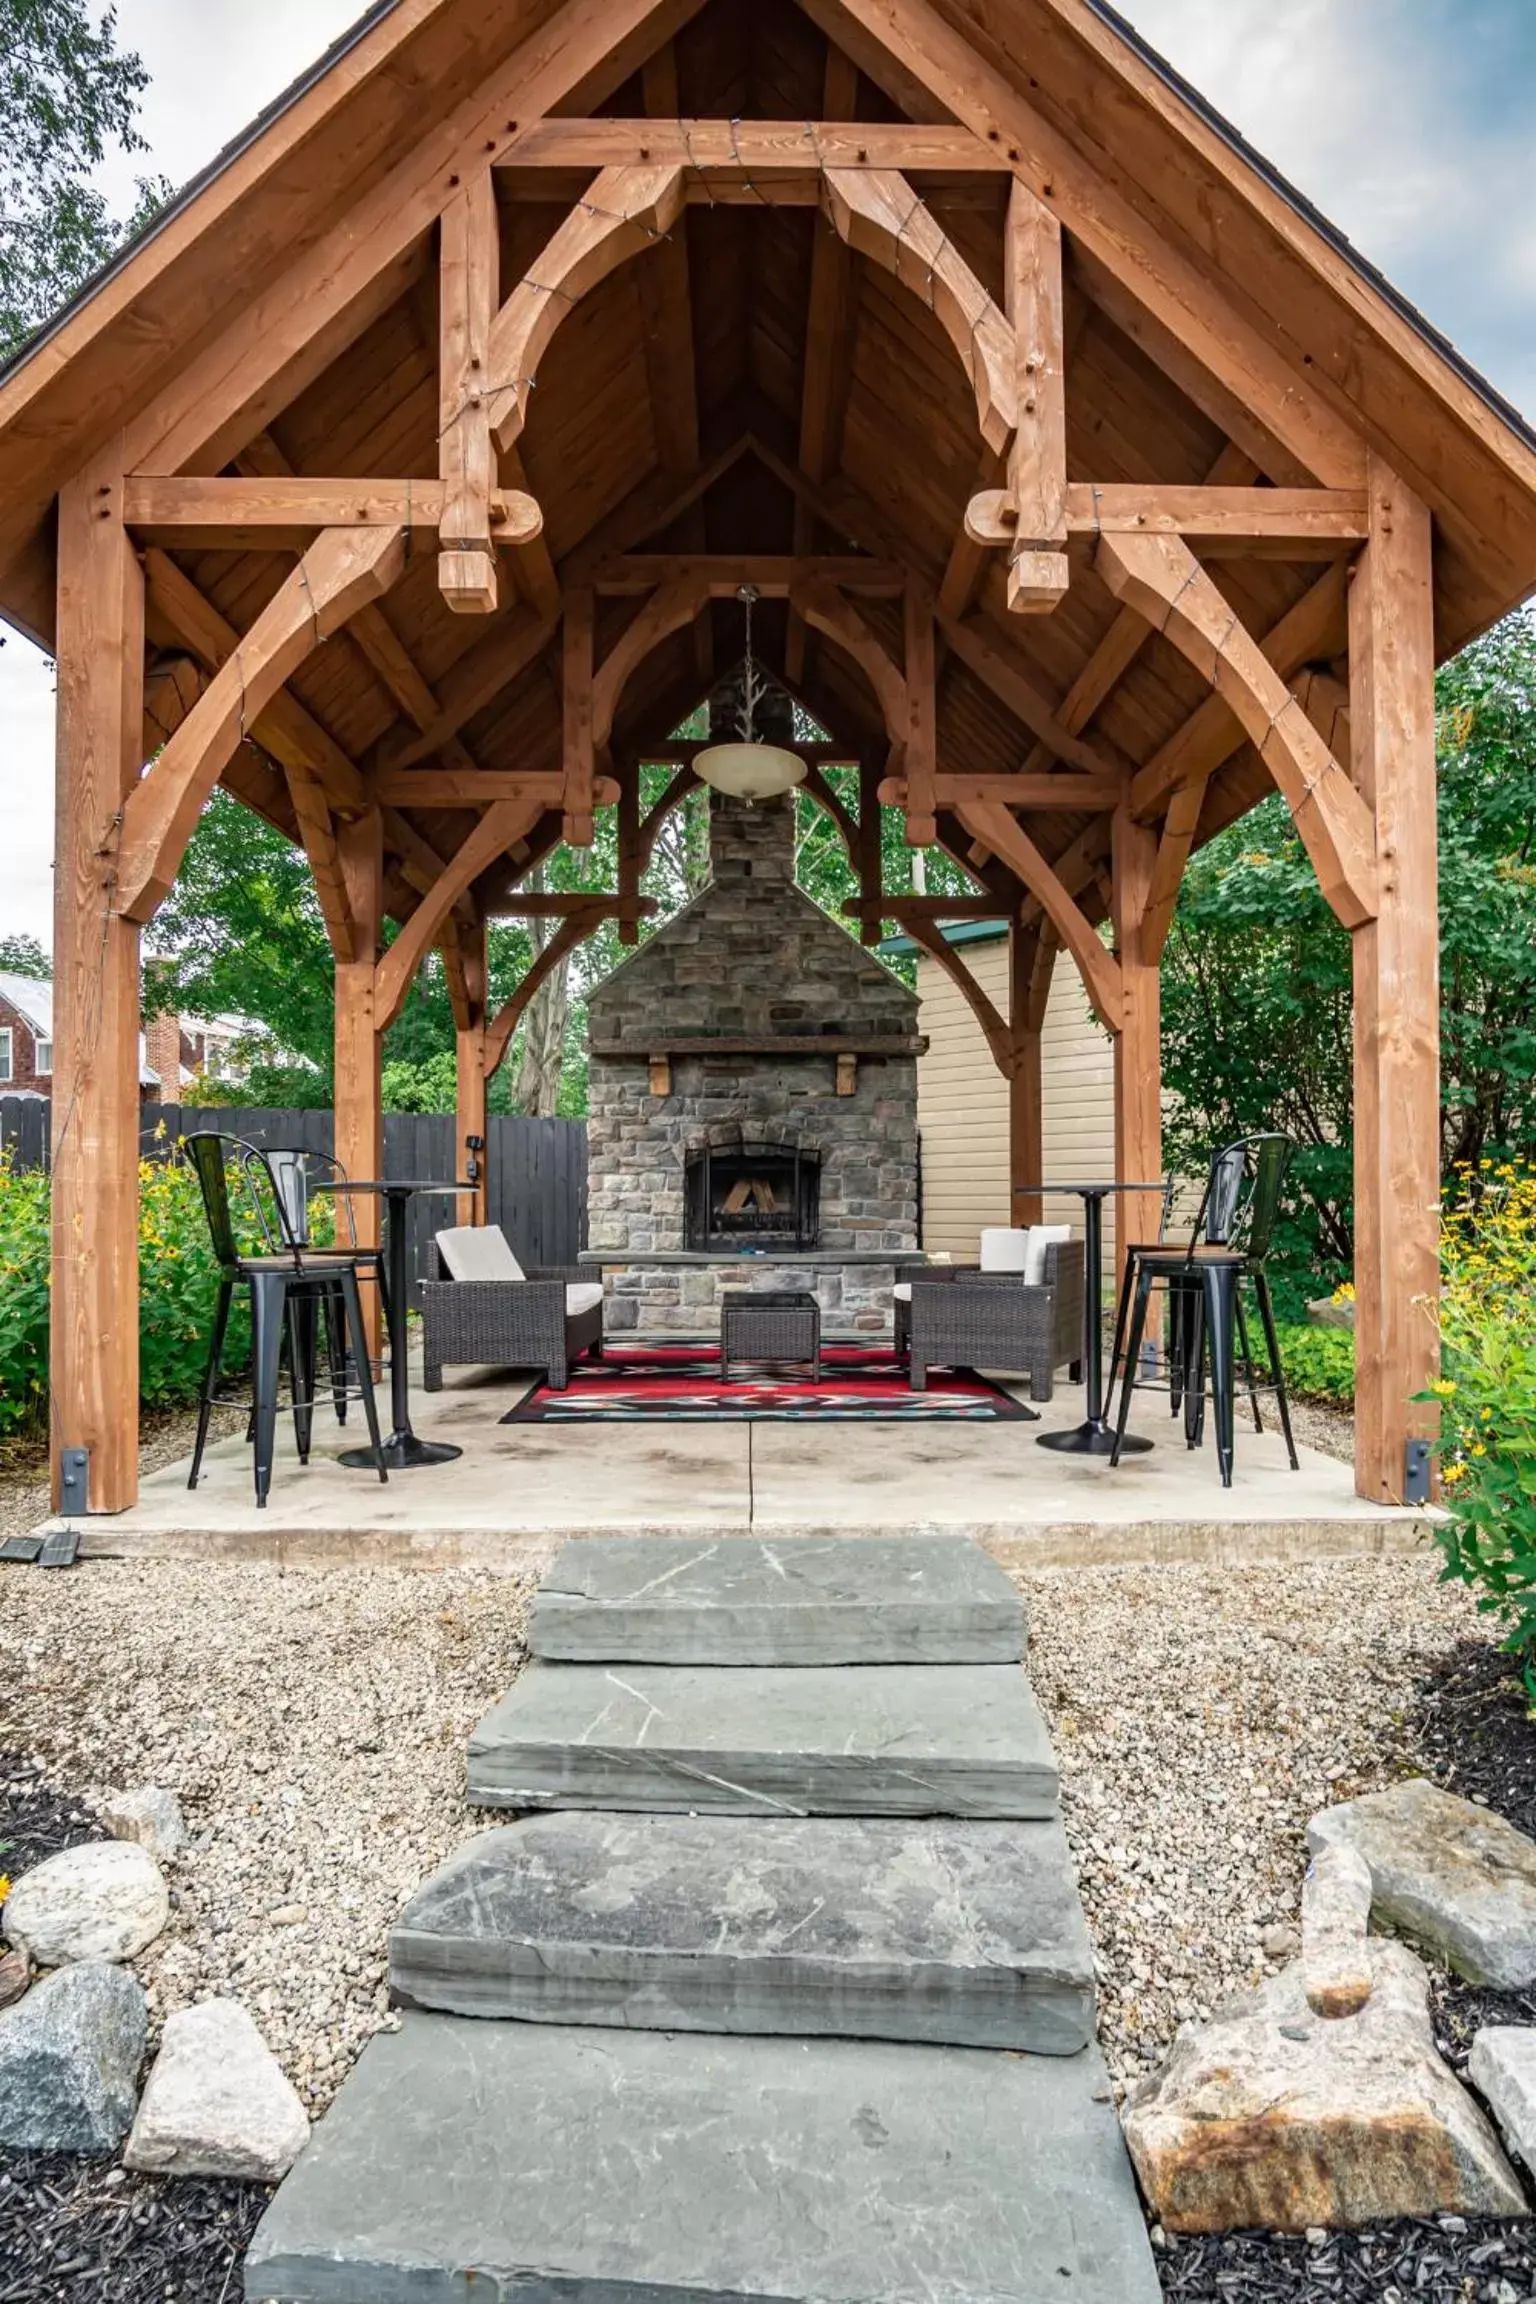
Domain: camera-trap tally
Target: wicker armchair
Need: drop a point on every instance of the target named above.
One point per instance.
(961, 1317)
(484, 1310)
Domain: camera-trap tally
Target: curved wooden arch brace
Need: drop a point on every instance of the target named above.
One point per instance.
(573, 930)
(996, 829)
(829, 612)
(498, 830)
(341, 570)
(625, 210)
(668, 610)
(927, 932)
(877, 212)
(1160, 577)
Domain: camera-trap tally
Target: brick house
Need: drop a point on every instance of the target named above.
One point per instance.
(26, 1043)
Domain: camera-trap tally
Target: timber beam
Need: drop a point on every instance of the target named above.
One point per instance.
(1160, 577)
(266, 514)
(751, 147)
(478, 788)
(342, 570)
(1238, 523)
(468, 273)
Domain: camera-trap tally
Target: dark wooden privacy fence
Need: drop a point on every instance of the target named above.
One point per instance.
(536, 1178)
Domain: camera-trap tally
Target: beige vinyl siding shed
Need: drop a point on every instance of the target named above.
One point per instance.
(962, 1099)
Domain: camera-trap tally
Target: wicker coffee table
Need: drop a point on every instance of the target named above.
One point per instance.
(770, 1324)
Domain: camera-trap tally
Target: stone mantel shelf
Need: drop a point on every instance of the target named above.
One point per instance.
(827, 1258)
(784, 1044)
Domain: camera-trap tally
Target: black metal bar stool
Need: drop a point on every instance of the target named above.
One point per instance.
(288, 1283)
(1228, 1244)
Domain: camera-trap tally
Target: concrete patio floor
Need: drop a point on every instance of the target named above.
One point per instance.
(515, 1486)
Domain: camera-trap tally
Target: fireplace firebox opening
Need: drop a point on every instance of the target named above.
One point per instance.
(753, 1199)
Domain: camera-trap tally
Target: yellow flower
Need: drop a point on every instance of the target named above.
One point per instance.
(1444, 1386)
(1478, 1449)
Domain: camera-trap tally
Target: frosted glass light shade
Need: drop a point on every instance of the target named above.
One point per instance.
(750, 771)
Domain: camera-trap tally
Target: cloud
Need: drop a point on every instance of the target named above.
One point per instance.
(1407, 122)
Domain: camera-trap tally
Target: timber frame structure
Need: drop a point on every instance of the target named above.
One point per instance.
(401, 476)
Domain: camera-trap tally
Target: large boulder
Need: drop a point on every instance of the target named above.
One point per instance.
(103, 1901)
(217, 2102)
(151, 1816)
(69, 2061)
(1443, 1870)
(1503, 2068)
(1274, 2117)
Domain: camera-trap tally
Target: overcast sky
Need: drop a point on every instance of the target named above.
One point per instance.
(1408, 122)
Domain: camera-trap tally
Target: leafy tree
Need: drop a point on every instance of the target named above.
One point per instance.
(67, 92)
(1257, 1002)
(24, 956)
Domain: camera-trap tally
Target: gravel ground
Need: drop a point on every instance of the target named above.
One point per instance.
(1201, 1716)
(312, 1724)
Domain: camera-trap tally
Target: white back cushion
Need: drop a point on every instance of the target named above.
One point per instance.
(1041, 1237)
(1003, 1249)
(478, 1252)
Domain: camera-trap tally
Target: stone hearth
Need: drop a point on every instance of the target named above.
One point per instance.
(751, 1020)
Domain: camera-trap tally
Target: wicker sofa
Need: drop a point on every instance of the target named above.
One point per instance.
(958, 1316)
(484, 1310)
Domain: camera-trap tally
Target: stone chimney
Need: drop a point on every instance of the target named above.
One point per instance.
(162, 1053)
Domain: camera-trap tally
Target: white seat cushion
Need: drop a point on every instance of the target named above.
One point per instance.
(582, 1296)
(1041, 1237)
(902, 1291)
(479, 1252)
(1004, 1248)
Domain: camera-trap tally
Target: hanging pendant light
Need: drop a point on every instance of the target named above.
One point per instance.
(749, 769)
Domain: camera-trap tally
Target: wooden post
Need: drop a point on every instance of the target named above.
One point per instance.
(470, 1045)
(359, 1097)
(580, 765)
(468, 278)
(1138, 1043)
(1026, 1087)
(1037, 462)
(1397, 990)
(921, 730)
(94, 1352)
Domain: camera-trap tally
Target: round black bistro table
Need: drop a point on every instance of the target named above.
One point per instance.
(1095, 1436)
(402, 1450)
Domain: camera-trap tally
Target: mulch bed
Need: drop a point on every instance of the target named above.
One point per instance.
(1448, 2262)
(1473, 1732)
(86, 2232)
(35, 1820)
(77, 2231)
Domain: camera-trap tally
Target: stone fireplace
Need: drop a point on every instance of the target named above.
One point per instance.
(753, 1102)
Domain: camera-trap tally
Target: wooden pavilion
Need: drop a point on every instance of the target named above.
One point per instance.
(402, 476)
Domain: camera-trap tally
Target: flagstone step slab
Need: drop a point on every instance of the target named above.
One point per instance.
(867, 1740)
(675, 1600)
(466, 2159)
(876, 1928)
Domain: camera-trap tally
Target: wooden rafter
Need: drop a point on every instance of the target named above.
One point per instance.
(758, 147)
(877, 212)
(344, 568)
(826, 610)
(669, 609)
(479, 676)
(986, 653)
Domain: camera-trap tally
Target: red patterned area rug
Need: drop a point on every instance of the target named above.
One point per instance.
(680, 1383)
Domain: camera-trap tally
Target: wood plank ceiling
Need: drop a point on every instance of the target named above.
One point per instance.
(895, 423)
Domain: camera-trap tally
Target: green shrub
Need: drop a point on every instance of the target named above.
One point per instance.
(1488, 1396)
(178, 1282)
(1319, 1363)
